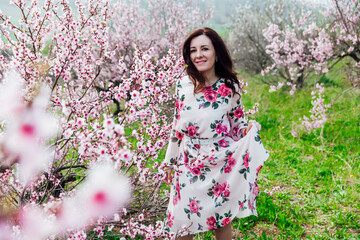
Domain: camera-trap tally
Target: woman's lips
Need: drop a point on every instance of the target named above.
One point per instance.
(200, 62)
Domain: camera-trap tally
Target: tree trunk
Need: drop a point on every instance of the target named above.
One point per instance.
(300, 79)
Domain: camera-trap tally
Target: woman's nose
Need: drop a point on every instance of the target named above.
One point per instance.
(198, 54)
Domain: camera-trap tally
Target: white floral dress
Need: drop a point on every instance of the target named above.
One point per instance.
(216, 181)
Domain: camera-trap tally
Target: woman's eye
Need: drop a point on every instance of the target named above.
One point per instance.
(205, 49)
(192, 51)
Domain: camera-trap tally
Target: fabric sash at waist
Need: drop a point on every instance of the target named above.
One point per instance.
(201, 141)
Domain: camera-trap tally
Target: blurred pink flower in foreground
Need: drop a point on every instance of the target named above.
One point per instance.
(27, 127)
(102, 194)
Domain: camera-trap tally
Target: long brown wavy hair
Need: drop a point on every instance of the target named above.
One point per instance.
(224, 67)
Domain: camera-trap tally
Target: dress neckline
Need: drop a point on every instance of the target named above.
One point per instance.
(214, 84)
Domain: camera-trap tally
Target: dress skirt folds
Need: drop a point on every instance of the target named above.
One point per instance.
(215, 166)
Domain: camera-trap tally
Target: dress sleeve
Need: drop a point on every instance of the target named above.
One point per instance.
(176, 137)
(237, 119)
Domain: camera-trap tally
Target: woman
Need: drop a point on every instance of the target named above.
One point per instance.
(211, 164)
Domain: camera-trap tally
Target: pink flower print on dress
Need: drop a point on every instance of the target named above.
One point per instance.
(231, 161)
(219, 128)
(251, 206)
(179, 105)
(186, 159)
(218, 190)
(226, 193)
(179, 135)
(241, 206)
(239, 113)
(258, 169)
(211, 222)
(195, 171)
(256, 190)
(225, 129)
(170, 219)
(177, 197)
(223, 143)
(235, 131)
(227, 169)
(175, 201)
(210, 95)
(226, 221)
(246, 161)
(178, 190)
(192, 131)
(224, 90)
(194, 206)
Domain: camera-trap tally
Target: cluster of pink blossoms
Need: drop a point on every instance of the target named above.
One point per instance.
(305, 46)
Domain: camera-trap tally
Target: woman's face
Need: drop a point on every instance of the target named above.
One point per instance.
(202, 54)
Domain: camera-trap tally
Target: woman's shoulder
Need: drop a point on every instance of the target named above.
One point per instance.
(184, 82)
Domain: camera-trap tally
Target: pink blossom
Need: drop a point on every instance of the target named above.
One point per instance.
(35, 223)
(104, 192)
(318, 117)
(11, 102)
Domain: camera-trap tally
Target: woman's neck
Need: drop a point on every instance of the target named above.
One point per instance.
(210, 77)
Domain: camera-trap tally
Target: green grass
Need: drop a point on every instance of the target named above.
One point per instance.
(318, 171)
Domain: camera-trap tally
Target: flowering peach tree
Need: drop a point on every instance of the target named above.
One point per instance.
(84, 96)
(318, 48)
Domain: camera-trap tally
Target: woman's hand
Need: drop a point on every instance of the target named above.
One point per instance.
(168, 175)
(255, 123)
(251, 123)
